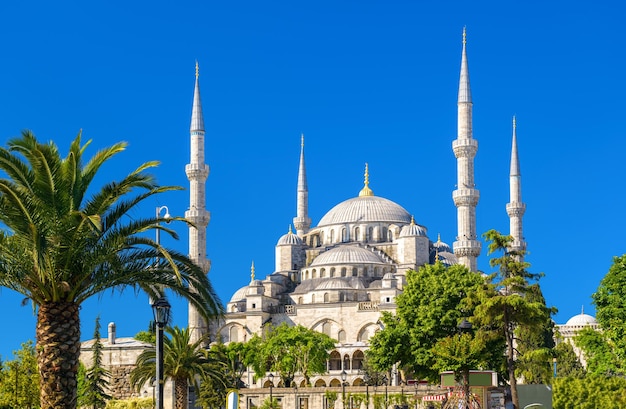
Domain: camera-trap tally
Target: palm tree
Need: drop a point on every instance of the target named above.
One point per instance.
(59, 247)
(183, 362)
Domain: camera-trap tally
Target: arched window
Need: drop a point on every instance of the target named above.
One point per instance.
(299, 300)
(314, 273)
(346, 362)
(343, 271)
(332, 236)
(325, 297)
(321, 237)
(357, 234)
(390, 235)
(344, 235)
(332, 271)
(357, 360)
(322, 272)
(334, 361)
(355, 271)
(233, 334)
(341, 336)
(370, 234)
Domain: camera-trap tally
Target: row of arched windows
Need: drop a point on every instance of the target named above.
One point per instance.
(323, 272)
(373, 234)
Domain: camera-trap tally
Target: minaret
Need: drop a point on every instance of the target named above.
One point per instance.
(197, 172)
(516, 208)
(466, 247)
(302, 222)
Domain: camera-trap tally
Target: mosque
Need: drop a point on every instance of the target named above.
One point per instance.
(339, 275)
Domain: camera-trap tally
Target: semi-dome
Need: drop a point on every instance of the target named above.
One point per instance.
(364, 209)
(413, 230)
(582, 320)
(347, 255)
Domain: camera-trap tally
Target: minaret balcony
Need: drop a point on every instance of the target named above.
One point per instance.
(196, 171)
(465, 148)
(465, 197)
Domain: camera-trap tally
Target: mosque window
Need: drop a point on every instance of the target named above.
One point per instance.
(299, 300)
(325, 297)
(355, 272)
(334, 361)
(390, 235)
(346, 361)
(332, 236)
(357, 359)
(341, 336)
(357, 234)
(344, 235)
(322, 273)
(253, 306)
(343, 271)
(314, 273)
(332, 271)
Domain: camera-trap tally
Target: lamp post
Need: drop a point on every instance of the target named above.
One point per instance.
(344, 376)
(271, 378)
(465, 327)
(385, 380)
(166, 216)
(161, 310)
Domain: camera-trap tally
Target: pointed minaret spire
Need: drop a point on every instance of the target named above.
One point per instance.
(197, 172)
(366, 191)
(302, 222)
(466, 247)
(516, 208)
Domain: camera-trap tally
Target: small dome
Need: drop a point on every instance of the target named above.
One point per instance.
(366, 209)
(413, 230)
(239, 294)
(346, 255)
(335, 283)
(289, 239)
(582, 320)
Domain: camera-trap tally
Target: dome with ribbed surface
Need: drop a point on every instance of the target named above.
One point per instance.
(582, 320)
(289, 239)
(413, 230)
(364, 209)
(347, 255)
(240, 294)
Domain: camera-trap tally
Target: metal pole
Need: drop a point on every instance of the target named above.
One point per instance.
(159, 368)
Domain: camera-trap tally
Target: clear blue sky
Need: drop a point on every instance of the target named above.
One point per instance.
(365, 81)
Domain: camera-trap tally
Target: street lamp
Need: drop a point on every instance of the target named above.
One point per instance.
(465, 327)
(344, 376)
(161, 310)
(271, 378)
(166, 216)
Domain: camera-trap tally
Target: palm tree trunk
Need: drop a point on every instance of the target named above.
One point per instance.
(58, 350)
(181, 390)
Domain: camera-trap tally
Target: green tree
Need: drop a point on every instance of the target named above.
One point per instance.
(535, 345)
(590, 392)
(19, 386)
(510, 302)
(96, 378)
(148, 336)
(610, 302)
(227, 360)
(289, 350)
(60, 247)
(183, 362)
(434, 301)
(600, 356)
(568, 364)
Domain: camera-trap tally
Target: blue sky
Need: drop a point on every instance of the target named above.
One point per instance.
(365, 81)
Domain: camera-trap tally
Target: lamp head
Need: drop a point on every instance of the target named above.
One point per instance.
(161, 311)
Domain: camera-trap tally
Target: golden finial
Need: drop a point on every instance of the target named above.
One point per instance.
(464, 35)
(438, 237)
(252, 272)
(290, 232)
(437, 248)
(412, 220)
(366, 191)
(197, 69)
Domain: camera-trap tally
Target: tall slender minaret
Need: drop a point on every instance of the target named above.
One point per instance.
(302, 222)
(466, 247)
(516, 208)
(197, 172)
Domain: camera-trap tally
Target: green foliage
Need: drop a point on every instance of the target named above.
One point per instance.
(331, 398)
(568, 364)
(610, 302)
(590, 392)
(95, 381)
(434, 301)
(227, 362)
(148, 336)
(133, 403)
(270, 404)
(288, 350)
(601, 357)
(511, 302)
(19, 383)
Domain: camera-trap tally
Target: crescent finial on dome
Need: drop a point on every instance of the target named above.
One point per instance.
(366, 191)
(252, 272)
(290, 232)
(412, 220)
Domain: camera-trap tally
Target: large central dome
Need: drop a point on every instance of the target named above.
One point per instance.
(365, 209)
